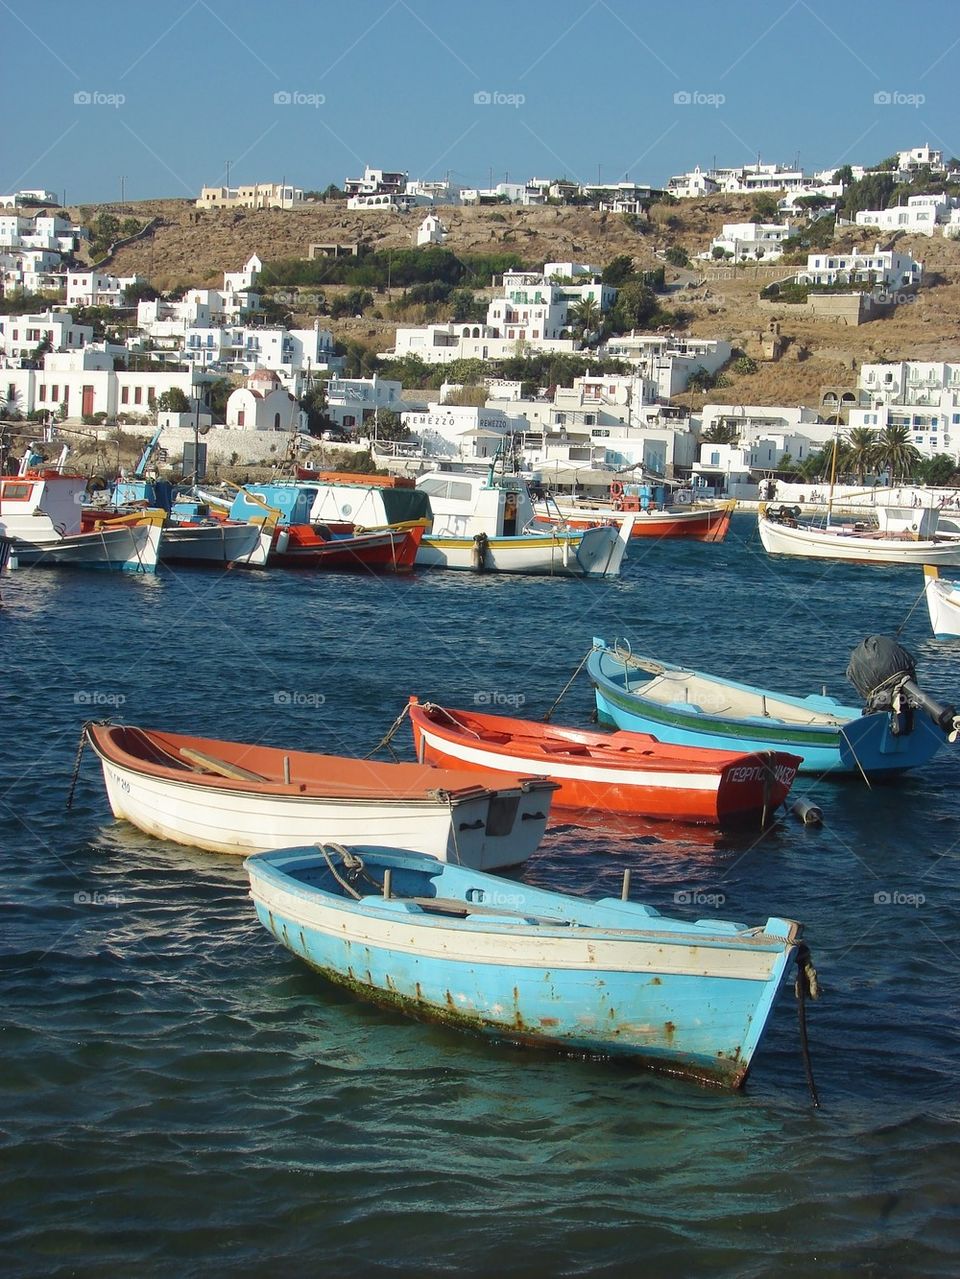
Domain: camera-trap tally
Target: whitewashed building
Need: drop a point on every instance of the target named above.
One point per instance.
(462, 431)
(431, 231)
(91, 288)
(264, 405)
(921, 215)
(20, 335)
(259, 195)
(668, 360)
(884, 267)
(352, 401)
(751, 241)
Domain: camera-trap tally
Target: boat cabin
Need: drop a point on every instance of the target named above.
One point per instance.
(465, 504)
(25, 497)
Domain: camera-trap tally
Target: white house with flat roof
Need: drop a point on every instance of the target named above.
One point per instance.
(20, 335)
(751, 241)
(461, 430)
(884, 267)
(921, 215)
(92, 288)
(351, 401)
(259, 195)
(668, 360)
(919, 382)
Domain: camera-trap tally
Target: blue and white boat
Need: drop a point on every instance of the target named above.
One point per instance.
(688, 708)
(485, 954)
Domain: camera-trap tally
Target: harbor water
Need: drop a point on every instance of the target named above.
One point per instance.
(181, 1096)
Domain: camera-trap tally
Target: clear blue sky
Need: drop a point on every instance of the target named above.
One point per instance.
(182, 87)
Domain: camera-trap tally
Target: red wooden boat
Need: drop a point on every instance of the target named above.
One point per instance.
(700, 524)
(616, 772)
(391, 550)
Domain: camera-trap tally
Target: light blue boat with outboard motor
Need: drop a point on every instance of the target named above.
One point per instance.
(899, 728)
(485, 954)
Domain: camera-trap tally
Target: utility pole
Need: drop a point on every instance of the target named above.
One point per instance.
(228, 178)
(122, 181)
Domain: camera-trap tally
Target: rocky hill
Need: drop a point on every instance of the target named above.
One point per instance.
(192, 247)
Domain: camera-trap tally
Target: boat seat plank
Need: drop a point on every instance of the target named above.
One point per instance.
(455, 906)
(220, 766)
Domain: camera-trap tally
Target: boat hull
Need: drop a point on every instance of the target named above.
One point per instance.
(709, 525)
(214, 543)
(861, 744)
(486, 832)
(596, 552)
(127, 549)
(811, 543)
(943, 604)
(688, 1005)
(386, 551)
(696, 789)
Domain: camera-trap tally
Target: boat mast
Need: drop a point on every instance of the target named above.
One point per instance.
(833, 472)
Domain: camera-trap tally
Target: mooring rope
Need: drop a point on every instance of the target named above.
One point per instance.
(81, 746)
(806, 985)
(583, 660)
(389, 735)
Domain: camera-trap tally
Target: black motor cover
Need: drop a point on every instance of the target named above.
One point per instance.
(875, 661)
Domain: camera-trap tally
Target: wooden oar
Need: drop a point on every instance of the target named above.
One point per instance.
(220, 766)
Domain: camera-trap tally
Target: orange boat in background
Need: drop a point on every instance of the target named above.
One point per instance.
(700, 524)
(609, 772)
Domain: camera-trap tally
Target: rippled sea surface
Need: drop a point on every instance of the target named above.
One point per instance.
(180, 1096)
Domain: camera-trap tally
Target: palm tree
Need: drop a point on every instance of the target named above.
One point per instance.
(861, 450)
(895, 453)
(587, 314)
(722, 433)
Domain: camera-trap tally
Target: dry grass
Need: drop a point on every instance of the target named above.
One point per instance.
(195, 250)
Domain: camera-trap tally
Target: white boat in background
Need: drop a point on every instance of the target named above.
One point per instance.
(943, 603)
(483, 523)
(897, 543)
(41, 511)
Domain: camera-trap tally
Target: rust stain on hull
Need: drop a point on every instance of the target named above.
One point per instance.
(726, 1073)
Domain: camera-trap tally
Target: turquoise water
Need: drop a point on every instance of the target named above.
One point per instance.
(180, 1096)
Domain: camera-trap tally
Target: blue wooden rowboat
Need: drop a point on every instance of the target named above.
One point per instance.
(688, 708)
(485, 954)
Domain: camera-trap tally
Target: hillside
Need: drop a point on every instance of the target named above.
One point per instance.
(194, 247)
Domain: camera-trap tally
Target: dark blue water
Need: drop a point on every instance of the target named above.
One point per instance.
(180, 1096)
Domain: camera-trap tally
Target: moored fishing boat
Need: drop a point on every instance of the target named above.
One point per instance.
(486, 523)
(297, 542)
(231, 797)
(701, 524)
(781, 533)
(621, 772)
(608, 977)
(690, 708)
(41, 512)
(943, 603)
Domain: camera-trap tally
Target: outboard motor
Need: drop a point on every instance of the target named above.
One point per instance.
(884, 674)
